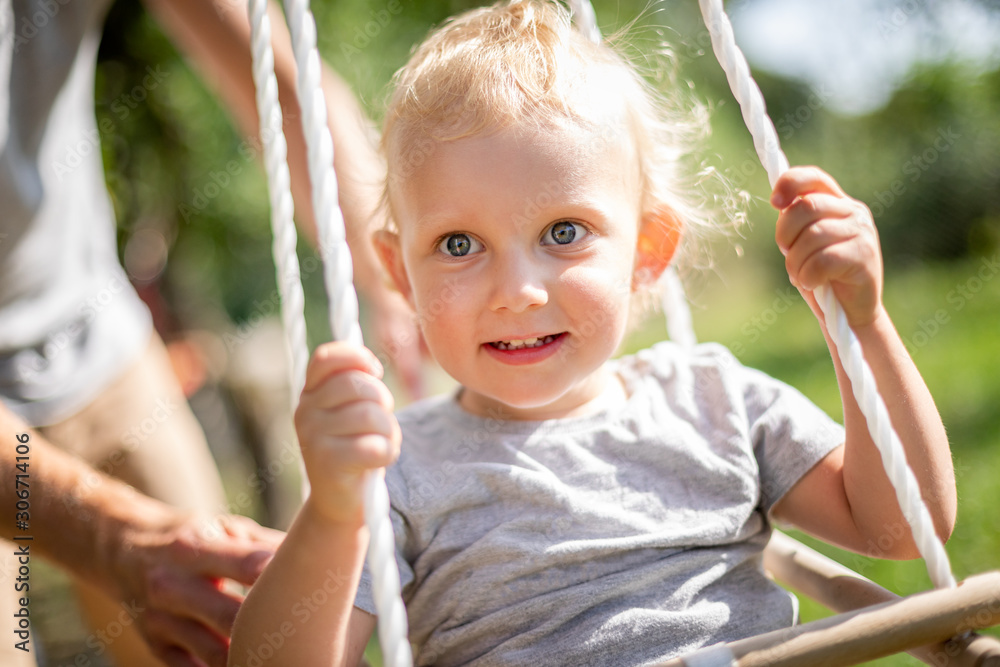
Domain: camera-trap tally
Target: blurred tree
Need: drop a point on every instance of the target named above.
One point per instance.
(175, 164)
(928, 164)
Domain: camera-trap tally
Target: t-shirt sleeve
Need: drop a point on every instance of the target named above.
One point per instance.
(788, 432)
(365, 597)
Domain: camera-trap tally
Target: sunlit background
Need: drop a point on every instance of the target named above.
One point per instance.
(898, 99)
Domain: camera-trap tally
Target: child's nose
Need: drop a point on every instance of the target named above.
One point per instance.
(518, 285)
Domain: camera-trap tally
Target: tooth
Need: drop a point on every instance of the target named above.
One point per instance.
(530, 341)
(516, 343)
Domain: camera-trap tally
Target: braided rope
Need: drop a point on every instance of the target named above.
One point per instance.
(769, 151)
(338, 278)
(338, 268)
(904, 482)
(676, 310)
(286, 262)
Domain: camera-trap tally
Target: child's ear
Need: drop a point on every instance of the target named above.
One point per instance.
(659, 236)
(390, 251)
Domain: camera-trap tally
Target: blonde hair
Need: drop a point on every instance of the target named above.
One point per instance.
(521, 62)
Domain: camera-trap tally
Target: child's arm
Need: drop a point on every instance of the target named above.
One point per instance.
(302, 607)
(847, 499)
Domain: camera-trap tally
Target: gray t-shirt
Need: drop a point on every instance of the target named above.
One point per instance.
(70, 322)
(621, 538)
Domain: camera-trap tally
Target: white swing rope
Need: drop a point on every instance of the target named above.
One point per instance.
(337, 273)
(769, 151)
(286, 262)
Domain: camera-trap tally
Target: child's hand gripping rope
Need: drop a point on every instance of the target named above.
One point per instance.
(829, 238)
(346, 428)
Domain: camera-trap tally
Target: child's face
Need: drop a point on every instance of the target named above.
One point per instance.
(515, 236)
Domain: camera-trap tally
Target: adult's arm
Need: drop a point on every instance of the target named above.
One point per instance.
(167, 565)
(216, 37)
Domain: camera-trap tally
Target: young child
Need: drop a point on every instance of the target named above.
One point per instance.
(561, 508)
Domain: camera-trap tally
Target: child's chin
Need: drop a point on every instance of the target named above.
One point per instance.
(533, 405)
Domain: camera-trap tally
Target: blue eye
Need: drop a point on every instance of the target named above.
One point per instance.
(564, 233)
(459, 245)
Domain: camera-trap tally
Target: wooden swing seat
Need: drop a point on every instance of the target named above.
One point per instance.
(934, 627)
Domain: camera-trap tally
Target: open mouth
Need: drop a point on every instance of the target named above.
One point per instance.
(527, 343)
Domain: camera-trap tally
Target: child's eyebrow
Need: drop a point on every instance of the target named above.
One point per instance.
(588, 208)
(577, 204)
(587, 204)
(438, 219)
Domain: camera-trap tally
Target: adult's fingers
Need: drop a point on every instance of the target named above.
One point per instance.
(399, 340)
(242, 562)
(198, 599)
(174, 656)
(215, 547)
(183, 642)
(239, 526)
(409, 367)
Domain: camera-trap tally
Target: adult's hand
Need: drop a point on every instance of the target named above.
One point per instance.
(397, 340)
(177, 573)
(175, 570)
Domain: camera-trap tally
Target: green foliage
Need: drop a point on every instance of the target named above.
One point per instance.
(177, 166)
(929, 165)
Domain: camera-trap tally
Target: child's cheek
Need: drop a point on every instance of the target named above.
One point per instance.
(597, 298)
(607, 287)
(440, 304)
